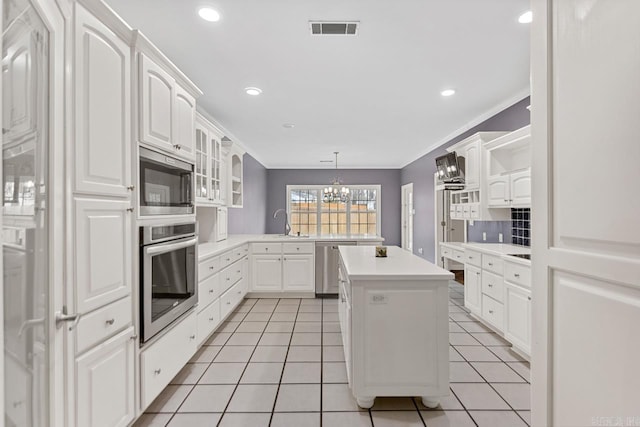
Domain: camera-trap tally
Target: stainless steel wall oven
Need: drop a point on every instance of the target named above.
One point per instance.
(168, 274)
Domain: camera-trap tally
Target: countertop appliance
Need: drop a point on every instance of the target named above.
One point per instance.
(327, 267)
(166, 184)
(450, 169)
(168, 282)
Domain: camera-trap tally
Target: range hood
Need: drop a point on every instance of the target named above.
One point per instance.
(450, 169)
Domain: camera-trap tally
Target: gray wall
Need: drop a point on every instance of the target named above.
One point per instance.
(421, 171)
(250, 219)
(389, 179)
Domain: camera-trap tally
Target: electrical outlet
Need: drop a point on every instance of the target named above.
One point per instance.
(484, 236)
(500, 239)
(420, 251)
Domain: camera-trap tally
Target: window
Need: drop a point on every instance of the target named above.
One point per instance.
(310, 215)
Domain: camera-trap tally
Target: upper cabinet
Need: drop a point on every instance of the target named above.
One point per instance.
(236, 179)
(508, 166)
(102, 140)
(208, 156)
(167, 102)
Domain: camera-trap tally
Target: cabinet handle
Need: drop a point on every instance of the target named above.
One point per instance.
(238, 271)
(297, 249)
(506, 200)
(110, 322)
(529, 298)
(239, 292)
(285, 259)
(266, 249)
(228, 302)
(490, 285)
(210, 319)
(516, 275)
(210, 291)
(490, 264)
(177, 146)
(193, 337)
(157, 371)
(129, 209)
(477, 273)
(131, 187)
(228, 278)
(228, 259)
(490, 311)
(133, 337)
(211, 268)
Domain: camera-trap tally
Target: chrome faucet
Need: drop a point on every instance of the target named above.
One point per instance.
(287, 227)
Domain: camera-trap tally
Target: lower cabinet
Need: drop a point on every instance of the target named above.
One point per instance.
(288, 267)
(517, 326)
(208, 321)
(105, 383)
(266, 273)
(298, 273)
(473, 289)
(164, 358)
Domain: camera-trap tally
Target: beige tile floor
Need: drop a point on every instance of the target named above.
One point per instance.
(280, 363)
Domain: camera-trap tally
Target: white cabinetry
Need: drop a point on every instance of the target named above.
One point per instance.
(472, 202)
(105, 383)
(166, 102)
(472, 289)
(208, 171)
(509, 170)
(236, 190)
(517, 319)
(102, 141)
(277, 267)
(221, 224)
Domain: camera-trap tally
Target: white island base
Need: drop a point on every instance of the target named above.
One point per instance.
(393, 316)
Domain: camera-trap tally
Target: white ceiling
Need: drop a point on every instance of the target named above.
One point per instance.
(374, 97)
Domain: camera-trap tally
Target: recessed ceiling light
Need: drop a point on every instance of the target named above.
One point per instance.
(253, 91)
(209, 14)
(526, 17)
(288, 125)
(447, 92)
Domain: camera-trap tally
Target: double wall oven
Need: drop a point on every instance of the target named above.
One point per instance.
(166, 184)
(168, 269)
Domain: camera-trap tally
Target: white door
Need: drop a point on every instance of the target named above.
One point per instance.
(103, 252)
(586, 242)
(298, 273)
(103, 108)
(202, 155)
(472, 289)
(498, 191)
(520, 186)
(266, 273)
(156, 105)
(105, 383)
(407, 217)
(184, 122)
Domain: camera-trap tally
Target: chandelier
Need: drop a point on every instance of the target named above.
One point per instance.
(336, 192)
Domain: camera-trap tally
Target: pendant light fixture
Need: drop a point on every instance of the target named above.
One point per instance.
(336, 192)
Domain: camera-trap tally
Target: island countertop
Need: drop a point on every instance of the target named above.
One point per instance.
(361, 263)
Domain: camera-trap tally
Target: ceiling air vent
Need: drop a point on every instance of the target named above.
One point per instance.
(347, 28)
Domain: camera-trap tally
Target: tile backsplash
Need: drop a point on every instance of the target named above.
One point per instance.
(521, 226)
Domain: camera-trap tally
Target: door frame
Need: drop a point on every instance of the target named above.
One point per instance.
(406, 216)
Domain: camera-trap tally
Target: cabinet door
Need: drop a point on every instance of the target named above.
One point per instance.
(156, 105)
(298, 273)
(105, 383)
(266, 273)
(472, 289)
(517, 328)
(202, 156)
(520, 185)
(472, 165)
(184, 122)
(102, 252)
(221, 224)
(215, 182)
(498, 191)
(103, 109)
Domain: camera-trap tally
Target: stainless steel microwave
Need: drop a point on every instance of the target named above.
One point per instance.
(166, 184)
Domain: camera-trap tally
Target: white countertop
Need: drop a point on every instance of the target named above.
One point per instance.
(209, 249)
(361, 264)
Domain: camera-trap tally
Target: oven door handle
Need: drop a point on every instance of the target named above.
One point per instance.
(164, 248)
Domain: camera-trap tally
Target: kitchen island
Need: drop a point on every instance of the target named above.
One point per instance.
(393, 316)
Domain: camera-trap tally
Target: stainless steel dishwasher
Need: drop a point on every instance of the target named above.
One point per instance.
(327, 267)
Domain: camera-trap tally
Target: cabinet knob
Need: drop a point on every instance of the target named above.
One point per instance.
(239, 292)
(228, 259)
(516, 275)
(228, 278)
(490, 264)
(210, 291)
(129, 209)
(529, 298)
(490, 285)
(177, 147)
(238, 271)
(210, 319)
(266, 249)
(193, 337)
(131, 187)
(297, 249)
(133, 337)
(211, 268)
(157, 371)
(228, 302)
(110, 322)
(490, 311)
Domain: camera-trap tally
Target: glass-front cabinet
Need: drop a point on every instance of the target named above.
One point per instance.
(208, 172)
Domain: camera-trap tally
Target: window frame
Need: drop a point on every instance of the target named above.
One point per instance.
(319, 188)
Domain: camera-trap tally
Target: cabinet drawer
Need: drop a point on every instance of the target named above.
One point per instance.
(458, 255)
(473, 258)
(446, 252)
(492, 263)
(103, 323)
(208, 290)
(208, 267)
(208, 320)
(297, 248)
(226, 259)
(237, 254)
(518, 274)
(163, 359)
(474, 211)
(230, 299)
(493, 285)
(230, 275)
(466, 211)
(266, 248)
(493, 312)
